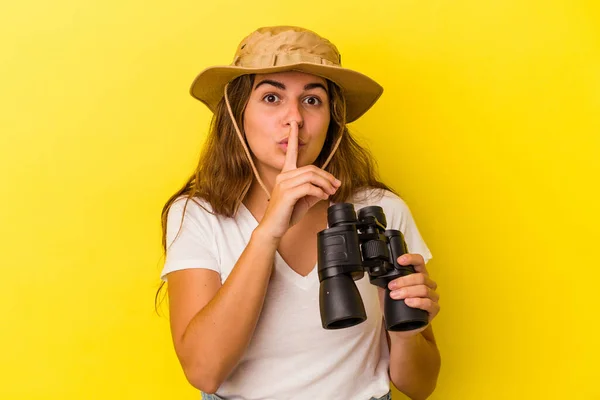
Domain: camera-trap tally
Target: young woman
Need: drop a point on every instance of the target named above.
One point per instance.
(241, 235)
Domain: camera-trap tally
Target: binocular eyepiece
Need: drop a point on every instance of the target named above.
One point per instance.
(348, 248)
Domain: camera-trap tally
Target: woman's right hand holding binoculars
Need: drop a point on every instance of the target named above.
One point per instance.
(296, 190)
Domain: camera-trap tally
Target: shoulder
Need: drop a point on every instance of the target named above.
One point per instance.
(199, 212)
(192, 210)
(370, 195)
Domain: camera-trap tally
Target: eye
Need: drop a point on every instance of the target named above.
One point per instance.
(313, 101)
(271, 98)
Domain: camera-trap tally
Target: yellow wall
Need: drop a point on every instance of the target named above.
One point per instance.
(489, 128)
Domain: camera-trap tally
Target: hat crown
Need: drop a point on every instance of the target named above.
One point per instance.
(284, 45)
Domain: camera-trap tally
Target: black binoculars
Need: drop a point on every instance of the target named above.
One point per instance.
(347, 249)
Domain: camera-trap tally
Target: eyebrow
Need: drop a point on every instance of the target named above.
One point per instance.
(281, 86)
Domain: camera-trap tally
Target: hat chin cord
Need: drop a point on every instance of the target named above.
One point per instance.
(247, 151)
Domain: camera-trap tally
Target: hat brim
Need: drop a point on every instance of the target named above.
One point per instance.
(360, 91)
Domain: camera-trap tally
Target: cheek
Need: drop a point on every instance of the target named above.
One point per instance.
(321, 128)
(318, 129)
(324, 123)
(257, 133)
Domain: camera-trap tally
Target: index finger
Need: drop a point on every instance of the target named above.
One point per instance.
(291, 153)
(412, 280)
(411, 259)
(416, 260)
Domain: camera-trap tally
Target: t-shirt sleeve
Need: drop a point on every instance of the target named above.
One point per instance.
(189, 241)
(402, 219)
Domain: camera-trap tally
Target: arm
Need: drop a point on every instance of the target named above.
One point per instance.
(414, 357)
(211, 325)
(414, 363)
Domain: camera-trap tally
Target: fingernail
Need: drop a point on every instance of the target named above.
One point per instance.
(398, 294)
(338, 182)
(392, 285)
(403, 259)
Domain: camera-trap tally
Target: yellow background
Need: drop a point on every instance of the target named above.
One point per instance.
(489, 127)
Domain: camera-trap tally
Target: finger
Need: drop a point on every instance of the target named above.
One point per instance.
(418, 278)
(421, 291)
(307, 189)
(416, 260)
(432, 307)
(309, 168)
(309, 176)
(411, 259)
(291, 154)
(421, 268)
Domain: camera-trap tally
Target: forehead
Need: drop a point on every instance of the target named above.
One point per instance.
(290, 77)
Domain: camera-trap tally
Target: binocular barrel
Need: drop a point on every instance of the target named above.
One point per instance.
(342, 260)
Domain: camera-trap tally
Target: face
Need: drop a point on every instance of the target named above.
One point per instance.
(277, 100)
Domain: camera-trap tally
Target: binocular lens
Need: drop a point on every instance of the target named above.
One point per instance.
(400, 317)
(340, 213)
(340, 302)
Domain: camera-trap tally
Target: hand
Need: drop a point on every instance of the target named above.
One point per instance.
(296, 190)
(418, 290)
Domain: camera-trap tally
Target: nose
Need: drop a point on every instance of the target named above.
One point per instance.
(294, 113)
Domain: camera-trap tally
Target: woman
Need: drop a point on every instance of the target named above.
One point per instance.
(240, 236)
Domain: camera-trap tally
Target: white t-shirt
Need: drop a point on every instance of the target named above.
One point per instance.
(290, 355)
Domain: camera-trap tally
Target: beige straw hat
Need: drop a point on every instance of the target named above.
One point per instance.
(287, 48)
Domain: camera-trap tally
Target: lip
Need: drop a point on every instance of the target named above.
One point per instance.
(285, 141)
(284, 145)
